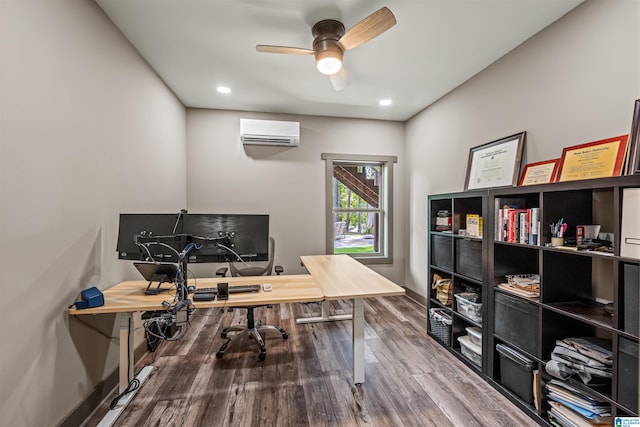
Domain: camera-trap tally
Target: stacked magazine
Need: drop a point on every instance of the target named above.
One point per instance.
(526, 285)
(573, 407)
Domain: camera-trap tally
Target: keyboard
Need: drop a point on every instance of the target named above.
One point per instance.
(235, 289)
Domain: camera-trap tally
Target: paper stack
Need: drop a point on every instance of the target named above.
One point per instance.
(572, 407)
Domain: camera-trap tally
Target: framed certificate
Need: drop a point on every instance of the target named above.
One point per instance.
(540, 172)
(599, 159)
(633, 161)
(496, 163)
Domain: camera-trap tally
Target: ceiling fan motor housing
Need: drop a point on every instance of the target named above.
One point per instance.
(326, 34)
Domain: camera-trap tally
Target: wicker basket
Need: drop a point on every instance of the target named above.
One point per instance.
(440, 324)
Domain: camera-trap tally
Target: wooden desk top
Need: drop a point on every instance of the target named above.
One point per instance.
(332, 277)
(342, 277)
(129, 296)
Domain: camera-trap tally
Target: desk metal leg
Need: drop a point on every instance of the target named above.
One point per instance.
(126, 369)
(325, 316)
(358, 341)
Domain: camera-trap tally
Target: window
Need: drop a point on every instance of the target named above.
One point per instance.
(359, 197)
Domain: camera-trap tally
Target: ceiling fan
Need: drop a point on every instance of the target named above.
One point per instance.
(330, 42)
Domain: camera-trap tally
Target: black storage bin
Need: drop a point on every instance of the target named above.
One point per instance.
(631, 298)
(516, 322)
(441, 255)
(469, 258)
(628, 373)
(516, 372)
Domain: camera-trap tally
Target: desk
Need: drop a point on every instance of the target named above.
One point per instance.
(342, 277)
(333, 277)
(128, 297)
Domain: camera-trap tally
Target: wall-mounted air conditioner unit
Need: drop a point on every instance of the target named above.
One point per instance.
(269, 132)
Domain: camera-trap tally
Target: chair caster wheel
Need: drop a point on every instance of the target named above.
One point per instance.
(262, 356)
(219, 355)
(285, 336)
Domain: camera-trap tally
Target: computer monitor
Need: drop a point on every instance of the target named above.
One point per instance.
(249, 236)
(166, 235)
(132, 226)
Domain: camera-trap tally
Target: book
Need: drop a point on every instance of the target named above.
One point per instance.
(534, 226)
(474, 225)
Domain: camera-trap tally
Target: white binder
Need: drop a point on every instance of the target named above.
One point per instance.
(630, 233)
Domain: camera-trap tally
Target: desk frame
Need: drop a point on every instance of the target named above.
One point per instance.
(333, 277)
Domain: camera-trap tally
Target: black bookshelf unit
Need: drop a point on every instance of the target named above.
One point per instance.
(461, 258)
(591, 292)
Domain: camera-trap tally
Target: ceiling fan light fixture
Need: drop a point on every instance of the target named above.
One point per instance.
(328, 56)
(329, 65)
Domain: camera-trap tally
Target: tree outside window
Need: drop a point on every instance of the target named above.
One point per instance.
(358, 200)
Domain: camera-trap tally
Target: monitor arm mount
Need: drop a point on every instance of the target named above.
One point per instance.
(160, 324)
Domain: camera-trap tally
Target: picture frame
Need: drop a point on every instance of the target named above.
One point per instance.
(539, 172)
(598, 159)
(633, 161)
(496, 163)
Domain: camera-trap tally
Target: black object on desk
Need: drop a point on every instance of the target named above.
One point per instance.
(204, 296)
(223, 291)
(233, 289)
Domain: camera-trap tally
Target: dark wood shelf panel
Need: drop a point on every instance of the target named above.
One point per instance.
(520, 245)
(466, 319)
(587, 311)
(535, 300)
(434, 303)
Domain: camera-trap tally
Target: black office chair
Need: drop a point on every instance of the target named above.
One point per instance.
(254, 328)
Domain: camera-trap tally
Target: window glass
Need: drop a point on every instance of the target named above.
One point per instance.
(358, 194)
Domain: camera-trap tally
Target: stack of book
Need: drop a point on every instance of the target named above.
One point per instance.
(572, 407)
(526, 285)
(443, 220)
(518, 225)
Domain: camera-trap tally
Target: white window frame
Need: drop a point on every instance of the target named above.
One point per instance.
(385, 208)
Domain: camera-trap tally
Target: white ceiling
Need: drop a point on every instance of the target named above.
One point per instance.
(436, 45)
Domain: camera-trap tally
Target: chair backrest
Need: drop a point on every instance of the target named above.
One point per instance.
(256, 271)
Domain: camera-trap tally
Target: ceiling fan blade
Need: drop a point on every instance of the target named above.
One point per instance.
(370, 27)
(284, 49)
(339, 80)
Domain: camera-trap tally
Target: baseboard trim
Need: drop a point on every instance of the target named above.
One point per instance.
(416, 296)
(103, 390)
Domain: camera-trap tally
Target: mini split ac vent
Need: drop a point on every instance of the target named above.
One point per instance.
(269, 132)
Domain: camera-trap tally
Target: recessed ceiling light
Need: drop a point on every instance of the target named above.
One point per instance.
(385, 102)
(223, 89)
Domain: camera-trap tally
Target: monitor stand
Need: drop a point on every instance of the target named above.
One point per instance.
(160, 278)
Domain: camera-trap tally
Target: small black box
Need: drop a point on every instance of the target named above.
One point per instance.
(223, 291)
(628, 373)
(516, 372)
(516, 321)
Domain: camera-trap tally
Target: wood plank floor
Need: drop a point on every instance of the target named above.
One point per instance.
(410, 380)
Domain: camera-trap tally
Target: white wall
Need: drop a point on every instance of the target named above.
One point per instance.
(87, 130)
(286, 183)
(575, 82)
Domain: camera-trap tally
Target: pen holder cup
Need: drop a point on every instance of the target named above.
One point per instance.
(557, 241)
